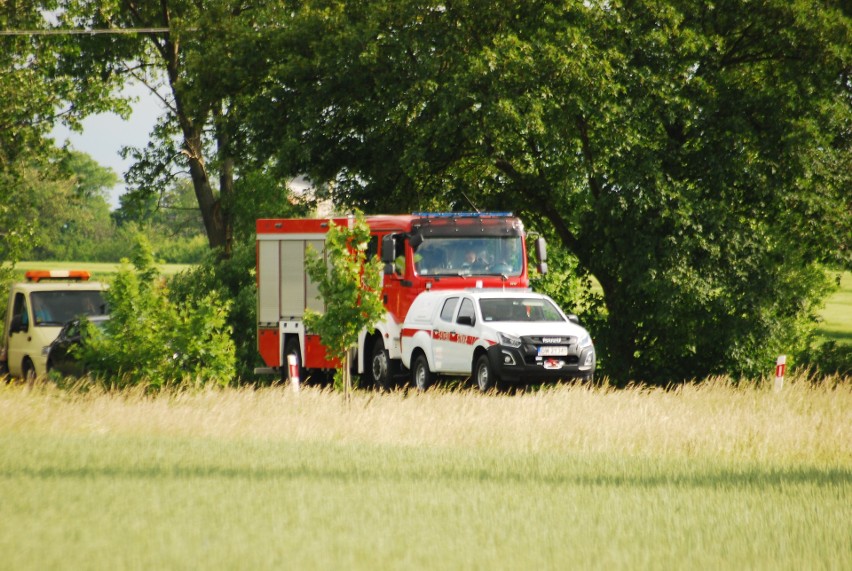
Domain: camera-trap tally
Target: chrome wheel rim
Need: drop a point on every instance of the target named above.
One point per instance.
(482, 378)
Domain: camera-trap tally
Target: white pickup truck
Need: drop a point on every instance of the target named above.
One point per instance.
(493, 336)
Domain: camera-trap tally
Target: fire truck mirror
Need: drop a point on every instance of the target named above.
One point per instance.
(388, 249)
(541, 254)
(415, 240)
(541, 249)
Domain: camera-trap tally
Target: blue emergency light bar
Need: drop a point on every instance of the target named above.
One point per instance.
(461, 214)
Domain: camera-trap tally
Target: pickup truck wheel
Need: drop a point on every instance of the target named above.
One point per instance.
(379, 369)
(485, 376)
(421, 374)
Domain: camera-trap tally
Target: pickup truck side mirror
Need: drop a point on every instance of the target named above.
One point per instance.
(573, 318)
(465, 320)
(18, 325)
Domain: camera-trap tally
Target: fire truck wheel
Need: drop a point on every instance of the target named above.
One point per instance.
(485, 376)
(292, 348)
(379, 369)
(421, 374)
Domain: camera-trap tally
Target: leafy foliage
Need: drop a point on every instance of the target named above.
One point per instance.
(199, 69)
(35, 94)
(149, 339)
(231, 279)
(694, 157)
(351, 287)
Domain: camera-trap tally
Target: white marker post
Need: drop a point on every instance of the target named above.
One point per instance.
(293, 364)
(780, 369)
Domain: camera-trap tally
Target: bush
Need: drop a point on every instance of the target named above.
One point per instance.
(829, 358)
(149, 339)
(231, 279)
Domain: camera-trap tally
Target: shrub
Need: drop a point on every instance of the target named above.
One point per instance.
(150, 339)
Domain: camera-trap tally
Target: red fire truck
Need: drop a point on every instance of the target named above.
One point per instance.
(420, 252)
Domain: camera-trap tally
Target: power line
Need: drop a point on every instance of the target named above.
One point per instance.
(89, 31)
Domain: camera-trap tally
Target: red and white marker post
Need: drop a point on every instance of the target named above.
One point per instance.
(293, 364)
(780, 370)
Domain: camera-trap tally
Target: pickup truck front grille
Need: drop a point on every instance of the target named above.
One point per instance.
(532, 343)
(549, 340)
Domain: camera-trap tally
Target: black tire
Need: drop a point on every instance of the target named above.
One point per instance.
(28, 371)
(378, 368)
(421, 376)
(484, 375)
(292, 348)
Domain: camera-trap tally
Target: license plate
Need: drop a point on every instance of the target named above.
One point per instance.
(553, 351)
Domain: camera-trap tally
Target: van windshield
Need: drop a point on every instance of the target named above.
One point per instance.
(519, 309)
(467, 256)
(51, 308)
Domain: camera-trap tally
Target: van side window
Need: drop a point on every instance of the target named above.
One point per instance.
(19, 308)
(449, 308)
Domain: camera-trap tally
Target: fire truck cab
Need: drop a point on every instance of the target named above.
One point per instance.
(421, 252)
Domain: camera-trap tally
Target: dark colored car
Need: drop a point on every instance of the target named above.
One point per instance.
(61, 354)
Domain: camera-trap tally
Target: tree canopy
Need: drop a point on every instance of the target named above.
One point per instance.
(694, 157)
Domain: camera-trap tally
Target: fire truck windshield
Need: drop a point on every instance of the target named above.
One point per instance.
(469, 256)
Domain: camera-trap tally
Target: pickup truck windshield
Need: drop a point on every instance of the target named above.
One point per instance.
(52, 308)
(467, 256)
(516, 309)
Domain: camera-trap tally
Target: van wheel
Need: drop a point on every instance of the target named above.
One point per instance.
(28, 371)
(292, 348)
(421, 374)
(379, 369)
(486, 378)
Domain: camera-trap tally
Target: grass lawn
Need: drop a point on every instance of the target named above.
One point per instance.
(705, 477)
(837, 314)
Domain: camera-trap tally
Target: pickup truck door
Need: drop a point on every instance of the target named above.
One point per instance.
(442, 335)
(460, 355)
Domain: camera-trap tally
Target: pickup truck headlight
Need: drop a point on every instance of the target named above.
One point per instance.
(509, 340)
(585, 341)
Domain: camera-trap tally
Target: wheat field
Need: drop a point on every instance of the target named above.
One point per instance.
(708, 475)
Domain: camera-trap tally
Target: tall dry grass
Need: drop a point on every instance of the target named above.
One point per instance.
(806, 422)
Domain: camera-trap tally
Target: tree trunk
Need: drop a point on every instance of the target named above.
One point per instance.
(215, 223)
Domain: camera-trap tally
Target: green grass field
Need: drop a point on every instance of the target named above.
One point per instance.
(708, 476)
(837, 314)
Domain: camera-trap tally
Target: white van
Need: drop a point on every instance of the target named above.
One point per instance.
(36, 312)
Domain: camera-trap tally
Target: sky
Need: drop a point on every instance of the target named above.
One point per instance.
(104, 134)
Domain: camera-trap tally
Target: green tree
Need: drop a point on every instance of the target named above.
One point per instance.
(149, 339)
(199, 69)
(36, 94)
(351, 287)
(693, 156)
(72, 215)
